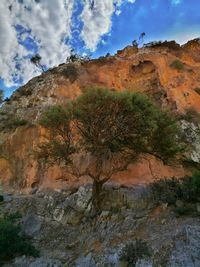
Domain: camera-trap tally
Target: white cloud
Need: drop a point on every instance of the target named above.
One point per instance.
(48, 23)
(97, 19)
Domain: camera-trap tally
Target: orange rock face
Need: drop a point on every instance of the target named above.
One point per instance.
(147, 70)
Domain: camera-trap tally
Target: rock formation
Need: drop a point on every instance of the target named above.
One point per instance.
(167, 72)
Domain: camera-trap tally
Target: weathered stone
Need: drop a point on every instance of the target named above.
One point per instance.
(58, 214)
(31, 262)
(144, 263)
(7, 198)
(31, 225)
(104, 214)
(79, 200)
(66, 235)
(186, 252)
(179, 203)
(85, 261)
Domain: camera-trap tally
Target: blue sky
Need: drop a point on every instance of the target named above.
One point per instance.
(52, 27)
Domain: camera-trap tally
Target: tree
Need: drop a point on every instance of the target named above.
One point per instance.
(36, 60)
(141, 37)
(135, 43)
(1, 96)
(112, 129)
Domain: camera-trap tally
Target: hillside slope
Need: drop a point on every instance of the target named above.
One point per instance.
(167, 73)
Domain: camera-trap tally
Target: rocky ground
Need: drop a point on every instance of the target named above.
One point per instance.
(61, 227)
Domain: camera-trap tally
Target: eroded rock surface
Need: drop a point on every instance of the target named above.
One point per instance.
(127, 214)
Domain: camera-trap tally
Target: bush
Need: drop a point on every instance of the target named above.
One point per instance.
(180, 211)
(134, 251)
(1, 198)
(190, 188)
(177, 64)
(12, 242)
(169, 190)
(165, 190)
(10, 121)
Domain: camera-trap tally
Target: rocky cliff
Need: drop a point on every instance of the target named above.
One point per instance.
(61, 227)
(167, 72)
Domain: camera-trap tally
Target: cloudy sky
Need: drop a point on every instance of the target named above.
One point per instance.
(52, 27)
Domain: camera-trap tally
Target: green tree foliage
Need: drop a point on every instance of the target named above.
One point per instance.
(36, 60)
(60, 146)
(113, 128)
(12, 242)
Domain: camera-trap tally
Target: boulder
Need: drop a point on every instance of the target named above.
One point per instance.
(31, 225)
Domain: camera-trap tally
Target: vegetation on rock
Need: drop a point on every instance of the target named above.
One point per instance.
(111, 129)
(134, 251)
(12, 241)
(169, 190)
(36, 60)
(70, 72)
(177, 64)
(10, 121)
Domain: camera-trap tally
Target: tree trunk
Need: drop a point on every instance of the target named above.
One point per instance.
(96, 195)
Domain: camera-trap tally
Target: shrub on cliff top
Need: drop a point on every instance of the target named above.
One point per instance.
(177, 64)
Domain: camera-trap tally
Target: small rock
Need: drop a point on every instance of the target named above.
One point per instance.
(164, 206)
(58, 214)
(144, 263)
(85, 261)
(7, 198)
(179, 203)
(104, 214)
(31, 225)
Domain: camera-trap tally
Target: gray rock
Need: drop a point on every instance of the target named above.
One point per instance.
(78, 201)
(31, 225)
(58, 214)
(191, 131)
(86, 261)
(144, 263)
(7, 198)
(31, 262)
(72, 217)
(186, 252)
